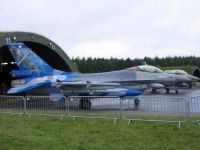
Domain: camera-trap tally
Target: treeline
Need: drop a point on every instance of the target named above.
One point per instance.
(88, 65)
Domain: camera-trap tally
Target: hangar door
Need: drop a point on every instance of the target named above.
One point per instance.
(43, 47)
(7, 64)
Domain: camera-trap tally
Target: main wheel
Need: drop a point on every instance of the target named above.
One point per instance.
(167, 90)
(176, 91)
(153, 91)
(85, 104)
(190, 85)
(137, 101)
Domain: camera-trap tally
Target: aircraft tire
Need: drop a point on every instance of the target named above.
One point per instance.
(190, 85)
(85, 104)
(153, 91)
(137, 101)
(167, 90)
(176, 91)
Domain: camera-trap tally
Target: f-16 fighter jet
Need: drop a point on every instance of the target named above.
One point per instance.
(184, 74)
(36, 77)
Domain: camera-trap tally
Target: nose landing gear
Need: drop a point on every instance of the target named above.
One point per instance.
(167, 90)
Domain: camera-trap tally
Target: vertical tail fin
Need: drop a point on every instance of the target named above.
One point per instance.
(27, 60)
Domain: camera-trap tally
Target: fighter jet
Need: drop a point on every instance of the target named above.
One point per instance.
(184, 74)
(162, 80)
(36, 77)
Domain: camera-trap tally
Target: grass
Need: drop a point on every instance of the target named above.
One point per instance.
(88, 134)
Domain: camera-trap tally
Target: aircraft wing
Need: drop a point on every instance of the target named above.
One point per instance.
(84, 84)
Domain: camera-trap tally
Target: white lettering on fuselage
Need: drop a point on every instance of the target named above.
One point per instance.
(61, 77)
(45, 78)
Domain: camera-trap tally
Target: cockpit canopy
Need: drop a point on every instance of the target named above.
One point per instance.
(179, 72)
(146, 68)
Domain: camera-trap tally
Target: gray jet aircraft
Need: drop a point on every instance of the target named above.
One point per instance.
(161, 79)
(184, 74)
(36, 77)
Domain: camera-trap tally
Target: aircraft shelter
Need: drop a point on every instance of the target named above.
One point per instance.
(42, 46)
(196, 72)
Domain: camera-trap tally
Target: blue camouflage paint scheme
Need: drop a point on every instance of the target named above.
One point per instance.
(28, 60)
(34, 72)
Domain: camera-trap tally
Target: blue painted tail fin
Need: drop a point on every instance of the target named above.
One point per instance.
(28, 61)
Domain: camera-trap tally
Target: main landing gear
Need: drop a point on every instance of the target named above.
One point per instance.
(85, 103)
(167, 91)
(136, 101)
(176, 91)
(153, 91)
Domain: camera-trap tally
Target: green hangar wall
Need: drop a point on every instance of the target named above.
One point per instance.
(42, 46)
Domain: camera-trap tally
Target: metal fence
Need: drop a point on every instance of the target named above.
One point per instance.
(46, 105)
(154, 107)
(102, 107)
(194, 109)
(12, 104)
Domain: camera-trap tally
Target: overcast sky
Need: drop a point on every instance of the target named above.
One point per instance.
(110, 28)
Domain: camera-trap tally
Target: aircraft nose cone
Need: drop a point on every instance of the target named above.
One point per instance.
(180, 78)
(193, 78)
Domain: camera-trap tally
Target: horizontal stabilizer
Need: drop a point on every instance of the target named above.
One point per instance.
(23, 88)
